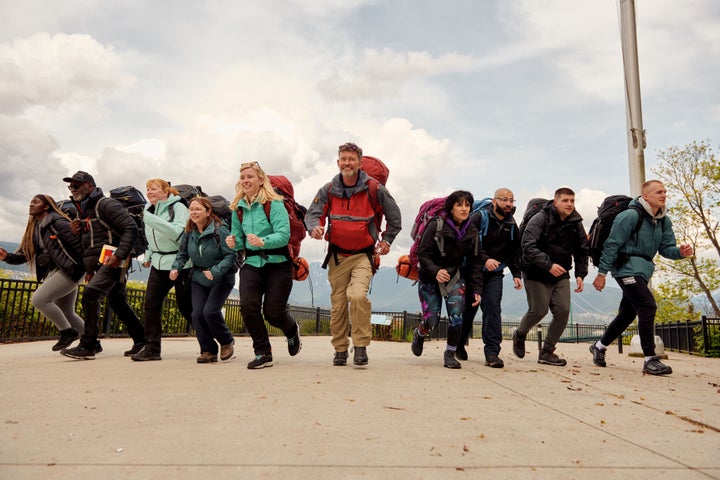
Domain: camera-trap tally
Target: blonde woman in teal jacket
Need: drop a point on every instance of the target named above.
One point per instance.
(164, 217)
(637, 235)
(261, 228)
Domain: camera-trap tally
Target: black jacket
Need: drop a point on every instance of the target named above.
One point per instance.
(501, 242)
(63, 249)
(121, 233)
(547, 239)
(457, 252)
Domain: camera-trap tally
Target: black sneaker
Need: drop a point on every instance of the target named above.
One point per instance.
(340, 358)
(98, 347)
(493, 361)
(78, 353)
(262, 360)
(518, 344)
(360, 357)
(417, 343)
(67, 337)
(134, 350)
(294, 343)
(461, 353)
(548, 357)
(598, 355)
(146, 354)
(450, 361)
(655, 367)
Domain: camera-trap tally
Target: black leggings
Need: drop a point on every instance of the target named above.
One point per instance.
(637, 300)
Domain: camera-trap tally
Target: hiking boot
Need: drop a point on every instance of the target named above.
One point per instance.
(67, 336)
(147, 354)
(227, 350)
(547, 357)
(417, 343)
(294, 344)
(450, 361)
(493, 361)
(655, 367)
(518, 344)
(134, 350)
(261, 360)
(461, 353)
(207, 357)
(598, 355)
(78, 353)
(360, 357)
(98, 347)
(340, 358)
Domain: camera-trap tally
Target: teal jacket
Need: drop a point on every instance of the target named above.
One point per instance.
(275, 233)
(208, 251)
(655, 236)
(163, 236)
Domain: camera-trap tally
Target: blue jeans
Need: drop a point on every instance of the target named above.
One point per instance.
(207, 315)
(491, 313)
(274, 281)
(431, 304)
(637, 300)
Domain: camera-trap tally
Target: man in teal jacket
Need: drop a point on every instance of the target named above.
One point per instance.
(628, 254)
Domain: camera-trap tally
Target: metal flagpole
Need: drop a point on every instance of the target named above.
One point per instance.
(635, 132)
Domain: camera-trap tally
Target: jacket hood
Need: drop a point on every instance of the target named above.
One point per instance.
(338, 188)
(642, 203)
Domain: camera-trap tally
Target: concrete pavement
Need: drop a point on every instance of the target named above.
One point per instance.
(399, 417)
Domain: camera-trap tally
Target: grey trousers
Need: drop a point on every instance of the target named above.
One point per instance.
(55, 298)
(541, 297)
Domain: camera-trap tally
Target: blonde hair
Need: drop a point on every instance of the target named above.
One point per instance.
(164, 186)
(266, 193)
(27, 245)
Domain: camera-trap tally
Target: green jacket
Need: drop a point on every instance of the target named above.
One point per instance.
(655, 236)
(275, 232)
(208, 251)
(163, 236)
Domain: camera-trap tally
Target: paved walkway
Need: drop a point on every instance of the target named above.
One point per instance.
(399, 417)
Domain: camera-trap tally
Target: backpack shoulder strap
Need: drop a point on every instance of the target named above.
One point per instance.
(439, 240)
(372, 185)
(266, 207)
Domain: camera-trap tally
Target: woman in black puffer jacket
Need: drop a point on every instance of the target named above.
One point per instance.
(55, 254)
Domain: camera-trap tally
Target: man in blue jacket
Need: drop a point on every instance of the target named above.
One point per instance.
(628, 254)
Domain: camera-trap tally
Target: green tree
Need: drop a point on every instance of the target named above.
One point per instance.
(692, 176)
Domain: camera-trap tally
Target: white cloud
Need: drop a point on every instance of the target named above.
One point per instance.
(44, 70)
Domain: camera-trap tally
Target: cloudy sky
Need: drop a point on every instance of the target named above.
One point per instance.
(469, 94)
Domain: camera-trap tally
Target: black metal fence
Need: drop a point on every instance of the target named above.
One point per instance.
(21, 322)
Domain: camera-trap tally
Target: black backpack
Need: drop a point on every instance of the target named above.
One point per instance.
(134, 202)
(533, 207)
(600, 229)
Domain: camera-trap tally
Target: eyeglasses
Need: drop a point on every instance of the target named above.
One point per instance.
(245, 165)
(350, 147)
(505, 199)
(75, 186)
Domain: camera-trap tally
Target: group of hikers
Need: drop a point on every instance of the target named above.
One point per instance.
(461, 256)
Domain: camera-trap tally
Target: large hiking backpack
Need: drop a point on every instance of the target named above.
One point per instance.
(188, 192)
(134, 202)
(600, 229)
(296, 214)
(533, 207)
(428, 210)
(480, 207)
(375, 167)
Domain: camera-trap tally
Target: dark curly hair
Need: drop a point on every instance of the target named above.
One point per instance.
(454, 198)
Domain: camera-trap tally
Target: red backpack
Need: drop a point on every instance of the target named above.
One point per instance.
(375, 167)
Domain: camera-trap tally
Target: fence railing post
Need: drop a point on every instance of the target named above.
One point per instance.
(705, 337)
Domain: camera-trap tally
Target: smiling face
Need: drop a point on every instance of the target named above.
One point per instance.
(155, 193)
(349, 165)
(199, 214)
(250, 182)
(80, 191)
(38, 207)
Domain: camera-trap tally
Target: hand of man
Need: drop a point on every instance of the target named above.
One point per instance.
(383, 248)
(491, 264)
(76, 226)
(173, 275)
(88, 277)
(518, 283)
(557, 270)
(580, 285)
(476, 301)
(686, 250)
(599, 283)
(112, 261)
(317, 232)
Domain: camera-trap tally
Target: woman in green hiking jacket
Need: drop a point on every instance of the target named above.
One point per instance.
(629, 251)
